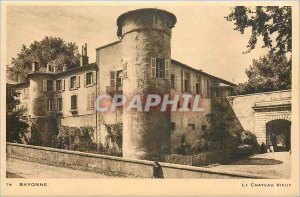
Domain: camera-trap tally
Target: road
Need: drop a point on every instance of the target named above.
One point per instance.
(23, 169)
(277, 165)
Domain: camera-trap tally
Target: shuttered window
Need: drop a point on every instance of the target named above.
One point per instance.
(74, 102)
(90, 100)
(112, 78)
(94, 77)
(88, 78)
(153, 67)
(125, 76)
(59, 104)
(167, 69)
(44, 85)
(186, 81)
(78, 81)
(198, 82)
(73, 83)
(160, 68)
(58, 85)
(63, 85)
(172, 81)
(50, 105)
(49, 85)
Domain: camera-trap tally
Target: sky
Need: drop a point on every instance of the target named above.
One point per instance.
(202, 38)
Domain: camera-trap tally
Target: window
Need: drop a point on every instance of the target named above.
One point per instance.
(204, 127)
(186, 82)
(49, 85)
(119, 79)
(59, 104)
(112, 78)
(160, 68)
(89, 78)
(90, 100)
(58, 85)
(172, 81)
(50, 105)
(50, 68)
(198, 85)
(74, 102)
(73, 82)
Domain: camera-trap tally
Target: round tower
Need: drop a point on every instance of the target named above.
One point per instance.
(146, 52)
(42, 121)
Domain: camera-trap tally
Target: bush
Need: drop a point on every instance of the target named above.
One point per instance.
(184, 147)
(244, 150)
(74, 138)
(113, 141)
(248, 144)
(200, 145)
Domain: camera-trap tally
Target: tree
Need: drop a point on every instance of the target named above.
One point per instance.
(15, 126)
(268, 73)
(273, 24)
(265, 22)
(51, 50)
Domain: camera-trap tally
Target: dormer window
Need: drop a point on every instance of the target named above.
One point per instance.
(50, 68)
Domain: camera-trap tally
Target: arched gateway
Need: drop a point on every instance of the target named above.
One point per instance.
(267, 115)
(279, 134)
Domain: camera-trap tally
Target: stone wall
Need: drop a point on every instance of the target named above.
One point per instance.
(255, 110)
(104, 163)
(201, 159)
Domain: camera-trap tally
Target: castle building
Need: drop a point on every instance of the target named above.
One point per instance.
(139, 63)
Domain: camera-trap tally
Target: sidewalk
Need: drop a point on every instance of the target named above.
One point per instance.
(23, 169)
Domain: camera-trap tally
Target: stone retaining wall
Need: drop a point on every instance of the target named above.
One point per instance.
(104, 163)
(199, 159)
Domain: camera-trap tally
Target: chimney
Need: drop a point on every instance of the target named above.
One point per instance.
(84, 59)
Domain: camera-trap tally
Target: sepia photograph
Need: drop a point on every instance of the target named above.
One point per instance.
(139, 91)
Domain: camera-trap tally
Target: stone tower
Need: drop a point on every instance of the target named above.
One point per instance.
(146, 43)
(43, 123)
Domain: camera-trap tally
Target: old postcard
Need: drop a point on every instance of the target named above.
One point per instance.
(150, 98)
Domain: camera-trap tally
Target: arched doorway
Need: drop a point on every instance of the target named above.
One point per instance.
(279, 134)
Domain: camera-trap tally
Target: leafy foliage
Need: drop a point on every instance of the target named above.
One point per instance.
(268, 73)
(184, 147)
(16, 125)
(266, 22)
(74, 138)
(274, 24)
(51, 50)
(248, 144)
(113, 142)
